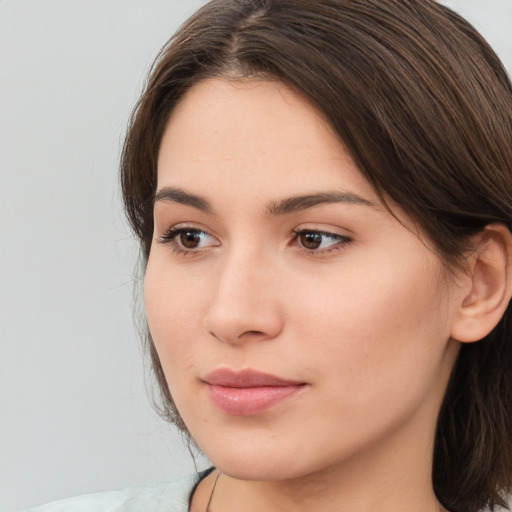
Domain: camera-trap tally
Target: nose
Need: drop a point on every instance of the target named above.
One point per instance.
(244, 304)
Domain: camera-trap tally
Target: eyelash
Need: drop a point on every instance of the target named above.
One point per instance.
(341, 240)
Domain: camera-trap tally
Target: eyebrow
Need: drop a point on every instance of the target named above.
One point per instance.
(274, 208)
(177, 195)
(299, 203)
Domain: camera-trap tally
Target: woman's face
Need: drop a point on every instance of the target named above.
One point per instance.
(297, 321)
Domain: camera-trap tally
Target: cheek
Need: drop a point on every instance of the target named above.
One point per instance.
(378, 328)
(174, 306)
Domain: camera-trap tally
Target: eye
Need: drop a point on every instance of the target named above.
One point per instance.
(187, 239)
(320, 241)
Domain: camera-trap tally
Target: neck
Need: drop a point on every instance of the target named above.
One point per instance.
(393, 477)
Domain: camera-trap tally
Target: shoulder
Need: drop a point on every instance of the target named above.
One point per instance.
(163, 496)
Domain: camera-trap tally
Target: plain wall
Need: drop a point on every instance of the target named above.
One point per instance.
(74, 414)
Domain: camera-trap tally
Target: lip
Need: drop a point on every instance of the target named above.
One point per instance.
(248, 392)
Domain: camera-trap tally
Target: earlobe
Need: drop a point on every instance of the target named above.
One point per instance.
(490, 288)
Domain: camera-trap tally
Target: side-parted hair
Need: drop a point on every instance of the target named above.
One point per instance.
(424, 106)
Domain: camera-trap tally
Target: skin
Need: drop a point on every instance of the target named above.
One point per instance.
(364, 320)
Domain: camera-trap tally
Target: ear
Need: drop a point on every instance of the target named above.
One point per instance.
(489, 288)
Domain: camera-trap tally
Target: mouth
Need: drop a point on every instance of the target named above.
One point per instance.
(249, 392)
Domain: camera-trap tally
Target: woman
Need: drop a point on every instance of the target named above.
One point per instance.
(323, 195)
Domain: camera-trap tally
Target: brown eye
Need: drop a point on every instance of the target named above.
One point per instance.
(310, 241)
(190, 239)
(320, 241)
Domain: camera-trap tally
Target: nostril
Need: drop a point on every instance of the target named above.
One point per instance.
(251, 335)
(246, 335)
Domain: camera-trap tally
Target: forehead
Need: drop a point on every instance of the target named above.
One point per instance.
(227, 135)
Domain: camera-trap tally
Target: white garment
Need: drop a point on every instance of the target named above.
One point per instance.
(163, 496)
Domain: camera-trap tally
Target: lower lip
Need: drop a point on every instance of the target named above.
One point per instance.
(250, 401)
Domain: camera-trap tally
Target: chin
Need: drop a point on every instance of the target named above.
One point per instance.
(273, 460)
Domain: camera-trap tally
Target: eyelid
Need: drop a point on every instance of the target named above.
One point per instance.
(183, 226)
(328, 230)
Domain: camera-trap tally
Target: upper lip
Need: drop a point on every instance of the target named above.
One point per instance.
(247, 378)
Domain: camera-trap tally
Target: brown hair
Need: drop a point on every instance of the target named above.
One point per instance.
(424, 106)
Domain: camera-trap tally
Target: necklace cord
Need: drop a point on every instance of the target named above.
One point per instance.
(213, 491)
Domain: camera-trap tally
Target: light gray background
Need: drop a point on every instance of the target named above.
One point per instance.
(74, 415)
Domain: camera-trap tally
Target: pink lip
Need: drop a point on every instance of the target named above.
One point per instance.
(248, 392)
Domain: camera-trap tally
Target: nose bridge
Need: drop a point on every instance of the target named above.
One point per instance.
(244, 303)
